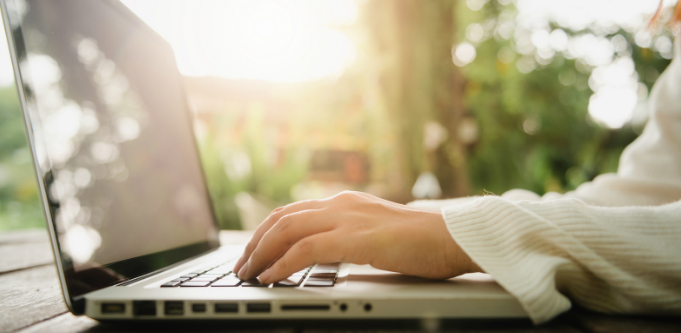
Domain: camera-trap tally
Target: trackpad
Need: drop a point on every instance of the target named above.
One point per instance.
(365, 274)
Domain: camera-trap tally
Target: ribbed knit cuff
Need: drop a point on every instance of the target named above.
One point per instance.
(509, 243)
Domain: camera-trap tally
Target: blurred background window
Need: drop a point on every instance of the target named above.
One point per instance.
(403, 99)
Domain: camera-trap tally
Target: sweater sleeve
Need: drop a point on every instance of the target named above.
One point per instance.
(616, 260)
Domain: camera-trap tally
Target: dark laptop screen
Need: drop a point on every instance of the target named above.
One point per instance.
(112, 139)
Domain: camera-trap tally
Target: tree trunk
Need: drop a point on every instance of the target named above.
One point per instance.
(410, 41)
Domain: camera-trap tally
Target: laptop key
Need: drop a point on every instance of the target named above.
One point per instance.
(323, 275)
(288, 283)
(195, 284)
(188, 276)
(179, 279)
(226, 283)
(174, 282)
(253, 283)
(319, 283)
(325, 270)
(200, 279)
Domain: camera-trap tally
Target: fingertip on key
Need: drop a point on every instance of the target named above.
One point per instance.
(264, 278)
(243, 272)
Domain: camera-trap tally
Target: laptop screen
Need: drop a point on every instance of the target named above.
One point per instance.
(112, 140)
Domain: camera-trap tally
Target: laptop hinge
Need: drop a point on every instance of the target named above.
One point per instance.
(133, 280)
(78, 305)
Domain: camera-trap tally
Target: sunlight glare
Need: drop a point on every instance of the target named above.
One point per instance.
(615, 97)
(273, 40)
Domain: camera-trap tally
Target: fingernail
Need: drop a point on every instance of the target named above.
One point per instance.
(243, 271)
(265, 276)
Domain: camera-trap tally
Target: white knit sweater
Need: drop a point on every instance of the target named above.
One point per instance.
(613, 245)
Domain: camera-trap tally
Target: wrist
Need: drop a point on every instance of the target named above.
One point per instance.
(474, 268)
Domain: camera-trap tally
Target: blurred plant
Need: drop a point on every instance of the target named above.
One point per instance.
(242, 153)
(530, 85)
(19, 204)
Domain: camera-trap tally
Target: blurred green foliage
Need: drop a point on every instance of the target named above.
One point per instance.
(563, 147)
(247, 162)
(19, 205)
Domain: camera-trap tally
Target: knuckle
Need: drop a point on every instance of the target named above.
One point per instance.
(284, 224)
(276, 210)
(345, 195)
(274, 214)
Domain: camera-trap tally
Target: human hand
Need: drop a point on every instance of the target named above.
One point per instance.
(352, 227)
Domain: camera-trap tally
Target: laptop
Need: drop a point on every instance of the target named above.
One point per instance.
(126, 202)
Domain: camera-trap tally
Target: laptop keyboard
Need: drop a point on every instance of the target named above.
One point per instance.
(222, 276)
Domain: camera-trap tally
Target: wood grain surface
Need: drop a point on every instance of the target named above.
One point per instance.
(65, 322)
(29, 296)
(24, 236)
(24, 249)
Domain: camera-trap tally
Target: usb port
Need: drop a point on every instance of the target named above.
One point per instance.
(226, 307)
(144, 308)
(110, 308)
(258, 307)
(174, 308)
(198, 308)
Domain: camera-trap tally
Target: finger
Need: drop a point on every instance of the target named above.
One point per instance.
(248, 249)
(286, 232)
(319, 248)
(274, 216)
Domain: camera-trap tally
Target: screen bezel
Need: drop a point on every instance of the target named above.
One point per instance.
(130, 268)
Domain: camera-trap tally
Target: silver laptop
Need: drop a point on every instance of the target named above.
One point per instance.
(125, 198)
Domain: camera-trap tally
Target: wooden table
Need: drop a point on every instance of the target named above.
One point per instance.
(31, 301)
